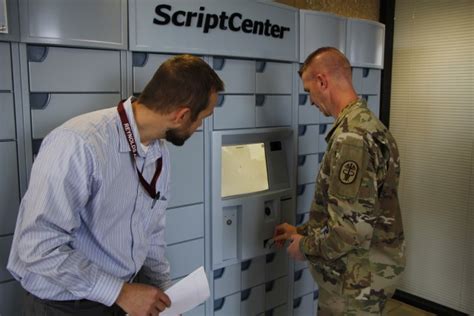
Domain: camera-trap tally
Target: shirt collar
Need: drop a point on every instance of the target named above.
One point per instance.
(344, 113)
(154, 150)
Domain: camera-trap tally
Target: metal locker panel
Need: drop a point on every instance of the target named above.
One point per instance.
(11, 298)
(301, 218)
(276, 265)
(197, 311)
(276, 293)
(5, 244)
(7, 117)
(184, 258)
(371, 80)
(357, 77)
(365, 43)
(235, 111)
(299, 265)
(228, 306)
(300, 83)
(307, 113)
(184, 223)
(253, 272)
(98, 23)
(303, 283)
(273, 78)
(319, 29)
(305, 194)
(144, 67)
(5, 67)
(373, 103)
(253, 301)
(323, 119)
(187, 171)
(308, 139)
(316, 301)
(303, 306)
(273, 110)
(308, 167)
(281, 310)
(323, 131)
(238, 75)
(59, 69)
(48, 111)
(227, 281)
(9, 190)
(366, 81)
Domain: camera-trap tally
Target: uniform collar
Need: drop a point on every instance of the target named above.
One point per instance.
(154, 150)
(344, 113)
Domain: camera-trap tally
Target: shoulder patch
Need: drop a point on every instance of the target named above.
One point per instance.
(348, 172)
(347, 168)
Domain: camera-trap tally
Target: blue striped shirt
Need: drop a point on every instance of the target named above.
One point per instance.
(86, 225)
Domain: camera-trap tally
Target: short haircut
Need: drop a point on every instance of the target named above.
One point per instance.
(341, 61)
(183, 80)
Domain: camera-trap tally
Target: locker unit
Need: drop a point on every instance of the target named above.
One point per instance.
(5, 244)
(65, 68)
(306, 305)
(261, 282)
(257, 94)
(11, 294)
(65, 82)
(185, 257)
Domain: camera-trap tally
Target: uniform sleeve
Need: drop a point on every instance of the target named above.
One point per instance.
(352, 196)
(60, 187)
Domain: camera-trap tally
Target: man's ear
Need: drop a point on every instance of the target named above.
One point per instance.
(180, 116)
(322, 81)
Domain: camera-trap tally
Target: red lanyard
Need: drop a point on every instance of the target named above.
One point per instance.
(149, 187)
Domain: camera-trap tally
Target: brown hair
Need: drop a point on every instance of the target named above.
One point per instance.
(340, 61)
(183, 80)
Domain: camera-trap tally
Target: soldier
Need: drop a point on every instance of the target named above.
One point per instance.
(354, 240)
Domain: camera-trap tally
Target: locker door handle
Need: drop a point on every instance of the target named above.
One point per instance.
(259, 99)
(39, 101)
(302, 98)
(37, 54)
(218, 63)
(139, 59)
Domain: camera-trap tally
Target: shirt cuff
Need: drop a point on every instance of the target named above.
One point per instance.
(106, 289)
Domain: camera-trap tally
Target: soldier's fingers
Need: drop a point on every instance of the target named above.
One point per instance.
(160, 306)
(165, 299)
(281, 237)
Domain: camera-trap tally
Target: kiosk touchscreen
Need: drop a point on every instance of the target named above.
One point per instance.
(244, 169)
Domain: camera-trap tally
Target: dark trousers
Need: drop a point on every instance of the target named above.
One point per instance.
(34, 306)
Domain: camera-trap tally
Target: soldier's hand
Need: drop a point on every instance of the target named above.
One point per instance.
(294, 248)
(282, 233)
(142, 300)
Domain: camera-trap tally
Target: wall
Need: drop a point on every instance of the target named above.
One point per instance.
(363, 9)
(431, 117)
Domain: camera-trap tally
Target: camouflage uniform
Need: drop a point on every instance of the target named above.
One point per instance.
(354, 238)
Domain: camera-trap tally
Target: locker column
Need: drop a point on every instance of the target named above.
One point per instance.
(365, 45)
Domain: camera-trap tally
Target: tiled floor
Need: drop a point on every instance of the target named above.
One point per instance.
(396, 308)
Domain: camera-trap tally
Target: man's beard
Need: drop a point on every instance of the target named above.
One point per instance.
(176, 137)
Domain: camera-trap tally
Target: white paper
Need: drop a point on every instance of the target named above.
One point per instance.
(187, 293)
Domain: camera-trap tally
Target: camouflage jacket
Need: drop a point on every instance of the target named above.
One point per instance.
(354, 237)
